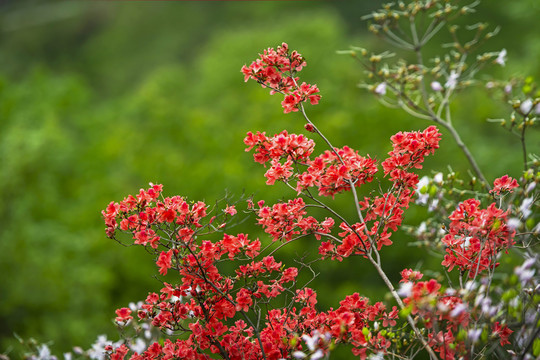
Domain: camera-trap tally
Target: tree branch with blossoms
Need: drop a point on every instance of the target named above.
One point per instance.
(233, 297)
(442, 321)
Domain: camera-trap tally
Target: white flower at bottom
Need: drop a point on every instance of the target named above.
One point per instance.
(317, 355)
(139, 346)
(501, 58)
(423, 196)
(311, 341)
(474, 335)
(405, 290)
(436, 86)
(381, 89)
(452, 80)
(525, 207)
(44, 353)
(526, 106)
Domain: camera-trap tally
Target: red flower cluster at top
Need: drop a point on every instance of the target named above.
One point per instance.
(276, 69)
(213, 308)
(475, 237)
(334, 172)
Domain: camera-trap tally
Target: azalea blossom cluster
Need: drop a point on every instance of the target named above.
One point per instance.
(175, 231)
(205, 299)
(283, 220)
(230, 311)
(475, 237)
(276, 70)
(450, 321)
(335, 172)
(331, 173)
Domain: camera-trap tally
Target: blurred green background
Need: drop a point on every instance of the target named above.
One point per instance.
(97, 99)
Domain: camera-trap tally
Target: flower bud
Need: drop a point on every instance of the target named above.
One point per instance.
(309, 127)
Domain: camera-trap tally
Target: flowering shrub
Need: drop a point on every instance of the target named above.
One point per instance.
(234, 299)
(233, 314)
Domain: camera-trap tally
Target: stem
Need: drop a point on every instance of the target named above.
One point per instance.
(410, 320)
(375, 263)
(444, 104)
(523, 145)
(530, 343)
(351, 184)
(467, 153)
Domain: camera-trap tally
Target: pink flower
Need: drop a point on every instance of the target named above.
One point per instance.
(231, 210)
(164, 262)
(123, 315)
(504, 184)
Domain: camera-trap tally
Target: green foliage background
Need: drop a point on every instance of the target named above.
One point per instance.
(97, 99)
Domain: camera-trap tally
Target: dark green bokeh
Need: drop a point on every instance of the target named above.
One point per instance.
(97, 99)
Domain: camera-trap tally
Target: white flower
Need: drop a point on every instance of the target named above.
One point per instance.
(135, 306)
(436, 86)
(466, 243)
(525, 272)
(438, 178)
(458, 310)
(525, 207)
(139, 346)
(317, 355)
(421, 228)
(378, 356)
(501, 58)
(526, 106)
(405, 290)
(97, 352)
(513, 223)
(531, 186)
(536, 229)
(68, 356)
(298, 355)
(537, 109)
(508, 88)
(474, 335)
(423, 196)
(380, 89)
(471, 286)
(311, 341)
(487, 308)
(433, 205)
(442, 307)
(44, 353)
(452, 80)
